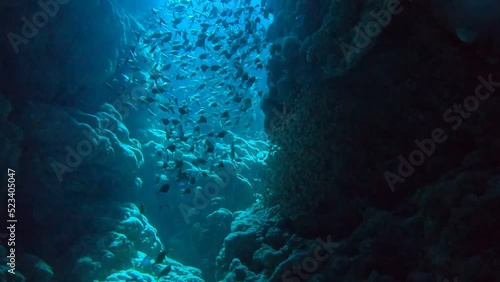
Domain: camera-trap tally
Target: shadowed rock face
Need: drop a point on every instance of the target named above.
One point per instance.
(348, 104)
(65, 59)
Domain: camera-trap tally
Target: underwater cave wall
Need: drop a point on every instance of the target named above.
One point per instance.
(374, 106)
(75, 160)
(60, 51)
(387, 71)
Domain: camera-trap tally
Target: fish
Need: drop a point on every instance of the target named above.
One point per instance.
(160, 257)
(225, 115)
(165, 121)
(179, 164)
(210, 146)
(221, 134)
(165, 188)
(171, 148)
(153, 48)
(163, 108)
(202, 119)
(215, 67)
(142, 209)
(146, 261)
(182, 110)
(246, 104)
(166, 67)
(165, 271)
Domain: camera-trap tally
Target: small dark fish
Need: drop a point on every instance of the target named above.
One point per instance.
(171, 148)
(238, 99)
(210, 146)
(165, 164)
(157, 90)
(165, 271)
(251, 81)
(204, 67)
(142, 209)
(202, 119)
(211, 134)
(179, 164)
(177, 21)
(164, 188)
(221, 134)
(152, 49)
(225, 114)
(220, 165)
(197, 128)
(175, 122)
(166, 67)
(165, 121)
(161, 257)
(182, 111)
(186, 191)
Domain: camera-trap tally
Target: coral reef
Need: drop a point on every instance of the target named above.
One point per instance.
(342, 127)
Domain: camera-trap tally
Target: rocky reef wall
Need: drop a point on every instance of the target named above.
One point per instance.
(385, 110)
(57, 49)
